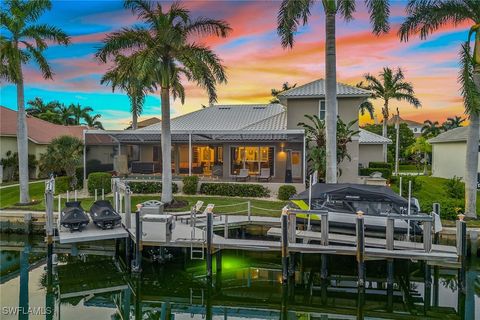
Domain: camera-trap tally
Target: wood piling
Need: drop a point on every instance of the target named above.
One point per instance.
(284, 222)
(209, 240)
(461, 251)
(138, 241)
(360, 229)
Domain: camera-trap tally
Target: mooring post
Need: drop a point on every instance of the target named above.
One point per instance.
(427, 287)
(360, 248)
(427, 235)
(209, 240)
(128, 209)
(461, 250)
(225, 227)
(49, 220)
(324, 229)
(68, 196)
(292, 230)
(59, 205)
(436, 234)
(96, 196)
(390, 233)
(249, 210)
(138, 240)
(390, 285)
(284, 223)
(103, 194)
(75, 194)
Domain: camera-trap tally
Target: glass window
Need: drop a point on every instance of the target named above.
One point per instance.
(251, 158)
(321, 110)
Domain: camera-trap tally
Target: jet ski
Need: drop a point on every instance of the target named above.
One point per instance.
(103, 215)
(343, 200)
(73, 216)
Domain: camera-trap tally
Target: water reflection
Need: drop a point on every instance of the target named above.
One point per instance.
(248, 286)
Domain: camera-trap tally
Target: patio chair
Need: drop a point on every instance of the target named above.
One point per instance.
(243, 175)
(264, 175)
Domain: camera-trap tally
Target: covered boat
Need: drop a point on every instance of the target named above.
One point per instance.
(103, 215)
(73, 216)
(343, 200)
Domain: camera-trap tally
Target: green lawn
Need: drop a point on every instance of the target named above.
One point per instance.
(9, 196)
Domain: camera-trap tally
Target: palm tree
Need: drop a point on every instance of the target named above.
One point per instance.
(367, 106)
(44, 111)
(65, 115)
(421, 146)
(452, 123)
(389, 85)
(78, 113)
(427, 16)
(92, 121)
(431, 128)
(125, 75)
(162, 49)
(275, 92)
(292, 14)
(23, 40)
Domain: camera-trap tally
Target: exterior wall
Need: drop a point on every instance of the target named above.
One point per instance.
(370, 153)
(146, 153)
(102, 153)
(10, 144)
(448, 159)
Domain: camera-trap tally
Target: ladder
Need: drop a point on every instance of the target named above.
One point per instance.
(197, 253)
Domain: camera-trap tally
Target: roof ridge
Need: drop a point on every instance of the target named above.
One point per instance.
(303, 86)
(265, 119)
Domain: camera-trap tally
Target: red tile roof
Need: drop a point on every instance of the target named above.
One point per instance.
(39, 131)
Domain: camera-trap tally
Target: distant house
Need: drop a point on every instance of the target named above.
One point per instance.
(415, 127)
(449, 153)
(40, 134)
(145, 123)
(219, 141)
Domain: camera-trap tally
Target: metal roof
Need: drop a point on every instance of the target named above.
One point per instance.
(316, 89)
(367, 137)
(454, 135)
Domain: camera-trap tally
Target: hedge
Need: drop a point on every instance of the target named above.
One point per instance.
(380, 165)
(99, 180)
(190, 185)
(386, 173)
(286, 191)
(149, 187)
(234, 189)
(449, 208)
(62, 184)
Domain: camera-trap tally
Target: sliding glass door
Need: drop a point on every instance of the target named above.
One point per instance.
(252, 158)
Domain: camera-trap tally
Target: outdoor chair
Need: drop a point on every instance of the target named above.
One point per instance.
(264, 175)
(243, 175)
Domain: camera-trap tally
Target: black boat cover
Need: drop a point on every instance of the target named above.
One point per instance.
(103, 210)
(352, 192)
(73, 213)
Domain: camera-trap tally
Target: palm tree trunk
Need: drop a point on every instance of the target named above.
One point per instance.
(330, 100)
(166, 148)
(471, 163)
(384, 130)
(134, 116)
(425, 158)
(22, 140)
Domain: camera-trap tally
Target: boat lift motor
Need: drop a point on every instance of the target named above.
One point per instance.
(161, 225)
(152, 207)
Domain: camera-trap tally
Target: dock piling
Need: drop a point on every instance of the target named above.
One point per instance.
(209, 240)
(427, 236)
(96, 196)
(390, 233)
(249, 210)
(128, 209)
(461, 250)
(360, 248)
(225, 227)
(324, 229)
(103, 194)
(284, 223)
(137, 267)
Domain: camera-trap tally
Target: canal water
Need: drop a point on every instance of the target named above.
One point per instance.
(89, 282)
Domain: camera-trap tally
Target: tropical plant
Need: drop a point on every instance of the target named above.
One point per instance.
(78, 112)
(390, 85)
(162, 48)
(315, 133)
(420, 149)
(406, 137)
(367, 106)
(452, 123)
(92, 121)
(126, 76)
(294, 13)
(21, 41)
(424, 17)
(275, 92)
(431, 129)
(55, 159)
(10, 164)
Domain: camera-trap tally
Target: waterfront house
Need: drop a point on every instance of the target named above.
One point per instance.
(415, 127)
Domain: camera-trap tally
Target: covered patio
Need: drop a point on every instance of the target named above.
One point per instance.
(213, 155)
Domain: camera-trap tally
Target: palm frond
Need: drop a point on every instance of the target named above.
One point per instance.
(40, 60)
(46, 32)
(125, 39)
(379, 11)
(470, 93)
(206, 27)
(346, 8)
(291, 15)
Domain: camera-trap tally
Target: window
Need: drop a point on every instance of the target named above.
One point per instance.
(321, 110)
(157, 154)
(252, 158)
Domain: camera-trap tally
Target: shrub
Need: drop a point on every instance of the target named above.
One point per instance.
(234, 189)
(190, 185)
(380, 165)
(79, 175)
(455, 188)
(149, 187)
(286, 191)
(449, 208)
(386, 173)
(62, 184)
(416, 184)
(99, 180)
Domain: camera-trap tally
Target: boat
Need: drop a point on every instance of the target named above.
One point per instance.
(73, 216)
(103, 215)
(344, 200)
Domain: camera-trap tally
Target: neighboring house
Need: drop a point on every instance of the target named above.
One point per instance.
(218, 141)
(40, 134)
(415, 127)
(449, 150)
(145, 123)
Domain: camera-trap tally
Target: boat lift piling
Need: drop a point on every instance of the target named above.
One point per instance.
(209, 240)
(360, 230)
(461, 250)
(137, 265)
(284, 223)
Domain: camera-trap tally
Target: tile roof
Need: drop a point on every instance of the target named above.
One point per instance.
(39, 131)
(454, 135)
(317, 89)
(393, 120)
(367, 137)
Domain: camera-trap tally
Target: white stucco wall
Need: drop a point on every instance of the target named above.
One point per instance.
(448, 159)
(370, 153)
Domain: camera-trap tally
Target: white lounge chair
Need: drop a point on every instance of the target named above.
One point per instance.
(243, 175)
(264, 175)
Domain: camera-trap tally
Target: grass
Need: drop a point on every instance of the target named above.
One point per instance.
(9, 196)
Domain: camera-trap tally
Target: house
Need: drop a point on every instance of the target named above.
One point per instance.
(40, 134)
(449, 150)
(218, 141)
(415, 127)
(145, 123)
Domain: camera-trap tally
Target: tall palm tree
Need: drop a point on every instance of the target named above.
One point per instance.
(65, 114)
(162, 48)
(124, 74)
(431, 128)
(78, 113)
(424, 17)
(292, 14)
(275, 92)
(92, 121)
(45, 111)
(21, 41)
(390, 85)
(453, 122)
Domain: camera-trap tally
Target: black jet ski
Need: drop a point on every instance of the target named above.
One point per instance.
(73, 216)
(103, 215)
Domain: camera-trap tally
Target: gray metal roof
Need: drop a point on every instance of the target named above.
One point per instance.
(317, 89)
(367, 137)
(454, 135)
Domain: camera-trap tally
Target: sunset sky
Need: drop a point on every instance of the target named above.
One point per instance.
(254, 58)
